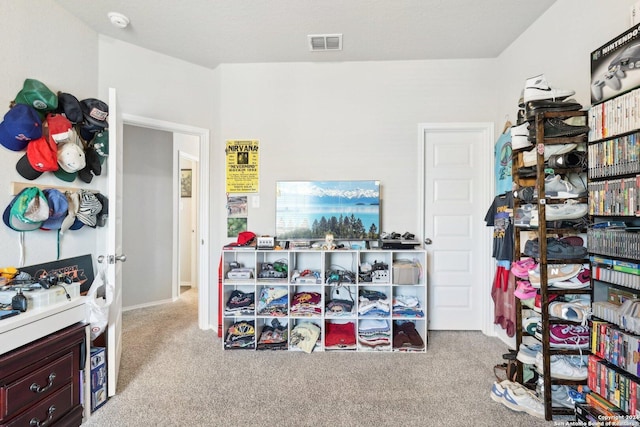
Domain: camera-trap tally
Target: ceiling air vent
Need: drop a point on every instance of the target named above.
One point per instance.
(324, 42)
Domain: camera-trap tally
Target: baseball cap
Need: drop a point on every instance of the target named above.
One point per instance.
(93, 166)
(95, 112)
(20, 125)
(245, 238)
(89, 208)
(27, 211)
(42, 156)
(57, 127)
(70, 107)
(73, 202)
(101, 145)
(37, 95)
(71, 158)
(58, 209)
(103, 215)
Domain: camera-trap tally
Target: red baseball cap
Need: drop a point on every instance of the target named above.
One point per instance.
(42, 156)
(58, 128)
(245, 238)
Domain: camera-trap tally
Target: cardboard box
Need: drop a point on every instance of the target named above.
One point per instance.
(98, 366)
(405, 273)
(615, 66)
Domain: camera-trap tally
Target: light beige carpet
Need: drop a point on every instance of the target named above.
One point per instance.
(174, 374)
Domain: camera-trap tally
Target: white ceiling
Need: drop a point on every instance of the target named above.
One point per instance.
(212, 32)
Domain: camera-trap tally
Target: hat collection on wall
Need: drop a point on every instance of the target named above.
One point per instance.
(50, 209)
(58, 133)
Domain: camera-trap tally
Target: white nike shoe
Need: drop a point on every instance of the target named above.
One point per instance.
(536, 88)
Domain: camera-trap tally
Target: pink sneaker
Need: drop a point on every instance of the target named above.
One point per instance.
(524, 290)
(568, 336)
(521, 268)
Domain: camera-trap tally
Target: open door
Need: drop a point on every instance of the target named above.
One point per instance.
(114, 256)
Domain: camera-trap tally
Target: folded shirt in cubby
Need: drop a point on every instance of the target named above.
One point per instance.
(306, 304)
(407, 305)
(240, 303)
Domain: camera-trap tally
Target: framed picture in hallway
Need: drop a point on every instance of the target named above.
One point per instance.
(185, 182)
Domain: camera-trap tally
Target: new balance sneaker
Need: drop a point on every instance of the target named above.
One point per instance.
(561, 368)
(537, 88)
(562, 396)
(520, 136)
(573, 311)
(555, 273)
(530, 323)
(568, 336)
(527, 353)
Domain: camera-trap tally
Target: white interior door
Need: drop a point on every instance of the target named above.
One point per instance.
(457, 187)
(113, 253)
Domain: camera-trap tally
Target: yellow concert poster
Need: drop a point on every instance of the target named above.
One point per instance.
(242, 166)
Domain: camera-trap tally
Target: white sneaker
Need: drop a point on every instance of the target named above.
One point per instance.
(555, 187)
(520, 136)
(529, 158)
(562, 368)
(578, 180)
(522, 400)
(537, 88)
(570, 209)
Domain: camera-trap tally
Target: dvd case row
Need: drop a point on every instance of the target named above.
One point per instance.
(616, 243)
(615, 116)
(618, 156)
(620, 197)
(616, 277)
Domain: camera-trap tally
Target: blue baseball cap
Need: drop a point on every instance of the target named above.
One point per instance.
(21, 124)
(58, 209)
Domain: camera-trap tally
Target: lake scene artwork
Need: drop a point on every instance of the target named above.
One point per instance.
(350, 210)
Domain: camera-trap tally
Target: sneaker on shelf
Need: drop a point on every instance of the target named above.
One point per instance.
(573, 311)
(537, 88)
(555, 273)
(538, 304)
(555, 127)
(572, 240)
(570, 209)
(561, 368)
(527, 353)
(526, 194)
(568, 336)
(579, 281)
(534, 107)
(522, 400)
(522, 215)
(578, 180)
(530, 158)
(556, 187)
(520, 136)
(562, 396)
(556, 249)
(572, 159)
(530, 323)
(524, 290)
(521, 267)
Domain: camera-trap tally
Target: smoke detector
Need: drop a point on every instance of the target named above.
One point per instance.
(324, 42)
(118, 19)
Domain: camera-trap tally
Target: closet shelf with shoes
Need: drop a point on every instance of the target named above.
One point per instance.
(551, 264)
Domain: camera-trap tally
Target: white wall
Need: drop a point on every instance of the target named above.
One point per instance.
(41, 40)
(355, 120)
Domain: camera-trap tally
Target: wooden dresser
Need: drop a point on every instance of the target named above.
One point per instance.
(40, 381)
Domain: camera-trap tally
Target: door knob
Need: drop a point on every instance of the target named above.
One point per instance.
(121, 258)
(428, 241)
(113, 258)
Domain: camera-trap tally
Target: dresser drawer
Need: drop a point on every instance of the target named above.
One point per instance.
(38, 384)
(48, 411)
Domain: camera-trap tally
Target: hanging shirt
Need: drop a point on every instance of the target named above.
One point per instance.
(503, 163)
(500, 217)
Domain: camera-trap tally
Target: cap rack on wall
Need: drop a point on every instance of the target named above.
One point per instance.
(17, 187)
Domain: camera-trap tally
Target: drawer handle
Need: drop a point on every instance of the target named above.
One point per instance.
(37, 423)
(37, 389)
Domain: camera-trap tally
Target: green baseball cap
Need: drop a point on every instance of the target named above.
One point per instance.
(37, 95)
(101, 145)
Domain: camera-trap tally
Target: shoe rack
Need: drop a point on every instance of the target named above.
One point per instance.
(614, 180)
(385, 292)
(542, 231)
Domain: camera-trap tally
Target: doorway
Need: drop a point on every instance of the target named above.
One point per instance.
(456, 168)
(201, 241)
(187, 212)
